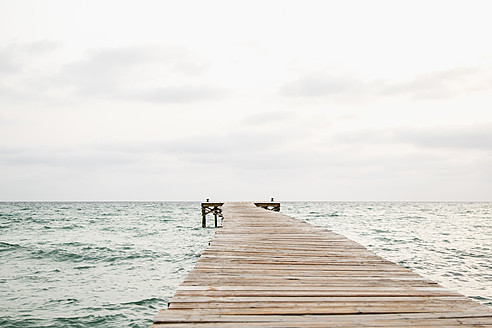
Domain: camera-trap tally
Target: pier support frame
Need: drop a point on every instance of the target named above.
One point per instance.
(211, 208)
(269, 206)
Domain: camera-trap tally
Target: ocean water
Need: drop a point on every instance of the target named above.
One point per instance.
(115, 264)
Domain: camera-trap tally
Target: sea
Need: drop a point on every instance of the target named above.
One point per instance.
(116, 264)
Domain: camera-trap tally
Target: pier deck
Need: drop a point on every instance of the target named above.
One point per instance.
(265, 269)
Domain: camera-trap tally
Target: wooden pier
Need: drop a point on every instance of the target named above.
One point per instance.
(265, 269)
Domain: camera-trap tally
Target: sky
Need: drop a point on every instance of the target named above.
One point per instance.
(245, 100)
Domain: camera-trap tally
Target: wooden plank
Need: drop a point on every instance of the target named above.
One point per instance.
(265, 269)
(179, 316)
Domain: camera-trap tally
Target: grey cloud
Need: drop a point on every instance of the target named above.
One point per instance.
(104, 71)
(373, 136)
(227, 144)
(16, 93)
(180, 59)
(20, 77)
(275, 150)
(63, 157)
(240, 150)
(36, 48)
(261, 160)
(320, 86)
(473, 137)
(459, 137)
(246, 150)
(442, 84)
(114, 73)
(435, 85)
(14, 55)
(178, 94)
(267, 118)
(33, 89)
(8, 64)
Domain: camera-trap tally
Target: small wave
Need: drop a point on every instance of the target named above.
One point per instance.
(93, 254)
(106, 214)
(70, 227)
(74, 243)
(8, 246)
(90, 320)
(178, 270)
(83, 267)
(58, 255)
(480, 253)
(456, 274)
(63, 301)
(147, 301)
(193, 254)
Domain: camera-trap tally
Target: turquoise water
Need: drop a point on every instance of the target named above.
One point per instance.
(94, 264)
(115, 264)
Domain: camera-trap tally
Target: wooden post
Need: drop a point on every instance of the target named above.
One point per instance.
(204, 218)
(215, 216)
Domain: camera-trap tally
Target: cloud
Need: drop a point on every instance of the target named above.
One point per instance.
(240, 150)
(363, 137)
(121, 59)
(148, 73)
(321, 86)
(442, 84)
(225, 145)
(228, 149)
(178, 94)
(62, 157)
(473, 137)
(435, 85)
(249, 158)
(267, 118)
(8, 62)
(163, 74)
(13, 57)
(22, 76)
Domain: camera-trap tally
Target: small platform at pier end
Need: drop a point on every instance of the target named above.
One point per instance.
(216, 210)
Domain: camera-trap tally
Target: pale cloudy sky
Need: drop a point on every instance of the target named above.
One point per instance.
(245, 100)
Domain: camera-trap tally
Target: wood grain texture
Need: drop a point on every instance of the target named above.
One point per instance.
(266, 269)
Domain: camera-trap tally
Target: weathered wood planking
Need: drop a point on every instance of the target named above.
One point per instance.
(265, 269)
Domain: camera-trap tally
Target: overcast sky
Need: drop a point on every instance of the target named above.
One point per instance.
(245, 100)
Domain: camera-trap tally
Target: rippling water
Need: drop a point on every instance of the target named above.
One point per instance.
(94, 264)
(116, 264)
